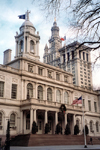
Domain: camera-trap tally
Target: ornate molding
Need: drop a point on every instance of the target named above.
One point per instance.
(2, 77)
(14, 80)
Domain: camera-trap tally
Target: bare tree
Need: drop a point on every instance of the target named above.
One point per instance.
(86, 18)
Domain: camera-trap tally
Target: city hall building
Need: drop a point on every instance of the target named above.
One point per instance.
(34, 91)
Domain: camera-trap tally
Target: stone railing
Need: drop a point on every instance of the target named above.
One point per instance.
(49, 104)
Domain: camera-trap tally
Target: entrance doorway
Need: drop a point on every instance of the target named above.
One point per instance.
(50, 122)
(40, 125)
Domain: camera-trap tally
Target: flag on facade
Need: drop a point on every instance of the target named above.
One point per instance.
(21, 16)
(63, 39)
(77, 101)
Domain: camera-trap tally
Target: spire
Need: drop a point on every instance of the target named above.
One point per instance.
(46, 49)
(46, 46)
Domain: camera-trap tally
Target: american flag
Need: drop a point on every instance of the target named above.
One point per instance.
(77, 101)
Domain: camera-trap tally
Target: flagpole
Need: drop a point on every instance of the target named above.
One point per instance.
(85, 146)
(24, 32)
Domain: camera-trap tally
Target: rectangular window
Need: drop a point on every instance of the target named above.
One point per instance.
(57, 77)
(87, 57)
(1, 89)
(80, 54)
(49, 74)
(83, 55)
(63, 58)
(40, 71)
(30, 68)
(89, 105)
(81, 75)
(72, 54)
(65, 78)
(14, 91)
(95, 106)
(68, 58)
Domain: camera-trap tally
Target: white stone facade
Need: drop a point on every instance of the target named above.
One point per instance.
(34, 91)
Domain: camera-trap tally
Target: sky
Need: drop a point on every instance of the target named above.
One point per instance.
(10, 23)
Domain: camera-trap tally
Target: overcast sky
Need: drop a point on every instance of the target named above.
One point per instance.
(10, 23)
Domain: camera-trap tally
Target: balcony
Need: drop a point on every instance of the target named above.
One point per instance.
(49, 104)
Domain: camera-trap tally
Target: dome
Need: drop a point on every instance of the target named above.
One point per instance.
(27, 23)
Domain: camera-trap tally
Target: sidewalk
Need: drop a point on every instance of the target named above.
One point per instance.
(63, 147)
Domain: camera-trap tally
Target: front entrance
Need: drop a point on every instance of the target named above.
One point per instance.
(40, 124)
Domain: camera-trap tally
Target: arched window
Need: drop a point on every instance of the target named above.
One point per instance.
(97, 127)
(0, 119)
(58, 96)
(31, 46)
(66, 101)
(12, 120)
(40, 92)
(21, 46)
(77, 122)
(29, 90)
(49, 94)
(91, 126)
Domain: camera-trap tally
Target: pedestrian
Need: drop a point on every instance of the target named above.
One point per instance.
(91, 141)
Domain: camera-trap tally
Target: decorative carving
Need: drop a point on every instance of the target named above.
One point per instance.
(2, 77)
(14, 80)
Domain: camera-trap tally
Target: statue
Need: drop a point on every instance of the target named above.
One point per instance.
(27, 15)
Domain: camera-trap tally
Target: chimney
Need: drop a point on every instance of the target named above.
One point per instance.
(7, 56)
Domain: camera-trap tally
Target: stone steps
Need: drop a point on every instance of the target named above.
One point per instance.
(46, 140)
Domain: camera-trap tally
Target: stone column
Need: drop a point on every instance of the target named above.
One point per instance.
(62, 96)
(74, 122)
(28, 45)
(5, 125)
(45, 93)
(54, 94)
(56, 119)
(21, 121)
(35, 115)
(31, 119)
(16, 49)
(36, 90)
(37, 50)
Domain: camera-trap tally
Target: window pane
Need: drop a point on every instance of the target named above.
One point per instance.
(0, 119)
(66, 98)
(29, 90)
(12, 120)
(58, 96)
(49, 94)
(1, 89)
(40, 92)
(14, 91)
